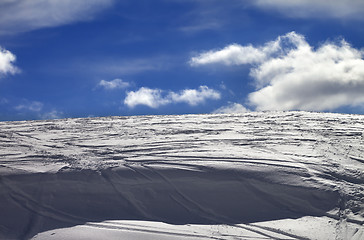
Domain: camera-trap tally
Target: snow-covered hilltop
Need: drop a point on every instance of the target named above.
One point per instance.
(264, 175)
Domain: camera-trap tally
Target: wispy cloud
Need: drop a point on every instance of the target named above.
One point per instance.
(7, 60)
(24, 15)
(4, 101)
(123, 67)
(33, 106)
(156, 97)
(54, 114)
(37, 110)
(212, 15)
(342, 9)
(113, 84)
(201, 26)
(232, 108)
(293, 75)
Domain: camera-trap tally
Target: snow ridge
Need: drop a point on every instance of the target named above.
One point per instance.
(222, 176)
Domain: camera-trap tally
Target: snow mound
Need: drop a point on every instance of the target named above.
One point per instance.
(269, 175)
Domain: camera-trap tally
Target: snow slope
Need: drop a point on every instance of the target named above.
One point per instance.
(263, 175)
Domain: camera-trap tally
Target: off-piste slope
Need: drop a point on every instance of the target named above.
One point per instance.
(263, 175)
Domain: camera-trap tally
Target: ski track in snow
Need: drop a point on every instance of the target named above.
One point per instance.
(237, 176)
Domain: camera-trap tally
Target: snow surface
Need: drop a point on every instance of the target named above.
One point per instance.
(261, 175)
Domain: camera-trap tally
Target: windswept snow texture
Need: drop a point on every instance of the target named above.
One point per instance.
(264, 175)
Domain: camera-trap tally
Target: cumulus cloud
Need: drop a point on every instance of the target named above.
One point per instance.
(232, 108)
(194, 97)
(7, 60)
(296, 76)
(145, 96)
(156, 97)
(113, 84)
(349, 9)
(24, 15)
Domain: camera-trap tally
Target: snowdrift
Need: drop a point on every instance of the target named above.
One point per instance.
(270, 175)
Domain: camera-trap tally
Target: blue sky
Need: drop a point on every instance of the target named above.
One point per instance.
(80, 58)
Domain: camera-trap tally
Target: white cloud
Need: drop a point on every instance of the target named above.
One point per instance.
(24, 15)
(232, 108)
(156, 97)
(236, 54)
(7, 60)
(296, 76)
(194, 97)
(114, 84)
(33, 106)
(352, 9)
(230, 55)
(327, 78)
(145, 96)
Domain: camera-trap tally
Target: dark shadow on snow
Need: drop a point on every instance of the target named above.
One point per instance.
(34, 203)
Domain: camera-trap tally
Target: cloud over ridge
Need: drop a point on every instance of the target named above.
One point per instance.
(155, 98)
(145, 96)
(232, 108)
(292, 75)
(33, 106)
